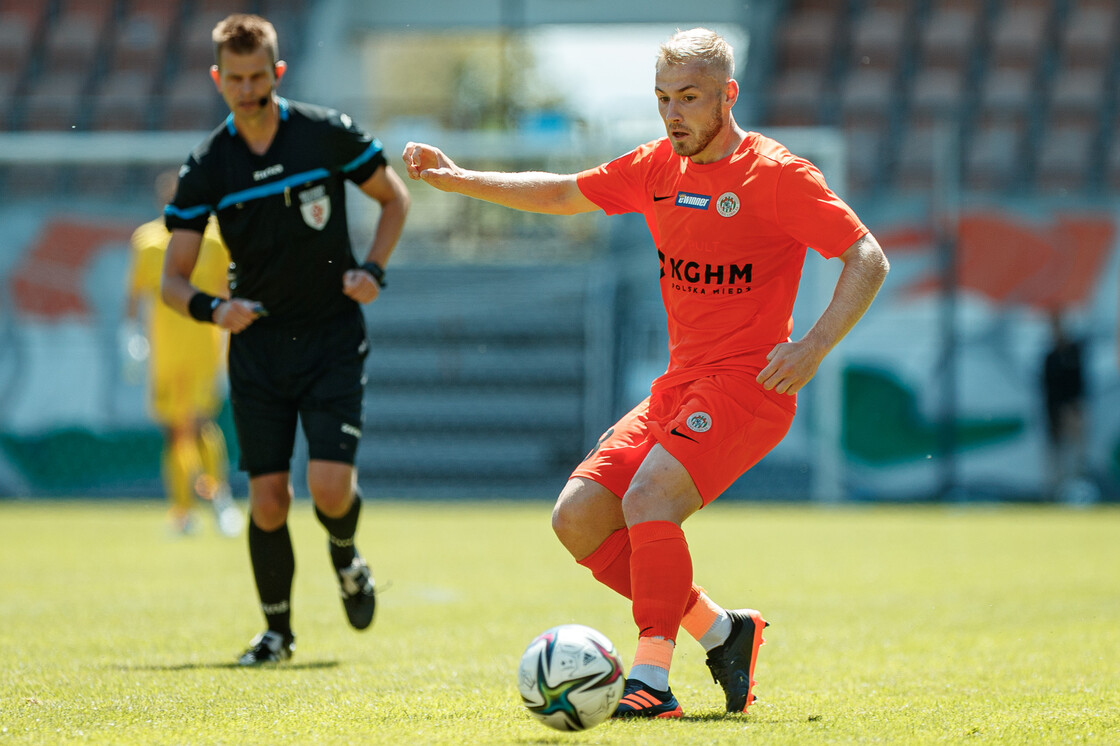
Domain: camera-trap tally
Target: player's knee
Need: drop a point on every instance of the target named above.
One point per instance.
(574, 517)
(640, 504)
(565, 521)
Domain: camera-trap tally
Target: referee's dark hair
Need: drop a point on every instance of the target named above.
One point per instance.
(244, 33)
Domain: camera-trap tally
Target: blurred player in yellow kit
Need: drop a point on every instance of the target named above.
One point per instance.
(185, 365)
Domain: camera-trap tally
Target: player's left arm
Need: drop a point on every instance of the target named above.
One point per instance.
(793, 364)
(391, 193)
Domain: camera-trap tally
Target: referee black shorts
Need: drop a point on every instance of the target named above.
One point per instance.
(315, 374)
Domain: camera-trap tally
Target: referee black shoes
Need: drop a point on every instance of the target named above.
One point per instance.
(355, 585)
(268, 647)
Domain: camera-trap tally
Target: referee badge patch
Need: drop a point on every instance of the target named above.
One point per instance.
(699, 422)
(315, 206)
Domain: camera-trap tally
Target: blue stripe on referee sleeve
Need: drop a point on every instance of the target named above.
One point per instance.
(373, 149)
(189, 213)
(271, 188)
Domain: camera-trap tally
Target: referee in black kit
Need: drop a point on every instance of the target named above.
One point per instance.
(274, 173)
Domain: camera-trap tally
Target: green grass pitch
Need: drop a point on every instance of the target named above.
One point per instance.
(889, 625)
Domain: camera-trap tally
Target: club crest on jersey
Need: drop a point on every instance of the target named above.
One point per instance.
(727, 204)
(699, 422)
(315, 206)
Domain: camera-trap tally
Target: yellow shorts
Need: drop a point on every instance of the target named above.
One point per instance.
(718, 427)
(181, 396)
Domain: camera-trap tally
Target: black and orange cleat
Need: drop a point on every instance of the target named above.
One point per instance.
(641, 701)
(732, 663)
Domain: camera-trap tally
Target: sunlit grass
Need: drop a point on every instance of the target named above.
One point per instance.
(894, 625)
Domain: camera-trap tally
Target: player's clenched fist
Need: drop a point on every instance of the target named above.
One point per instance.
(428, 163)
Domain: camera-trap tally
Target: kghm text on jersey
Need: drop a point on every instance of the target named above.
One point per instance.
(727, 279)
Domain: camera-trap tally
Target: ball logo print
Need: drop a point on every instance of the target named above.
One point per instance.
(699, 422)
(727, 204)
(570, 677)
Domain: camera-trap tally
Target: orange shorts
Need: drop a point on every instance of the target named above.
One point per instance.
(718, 427)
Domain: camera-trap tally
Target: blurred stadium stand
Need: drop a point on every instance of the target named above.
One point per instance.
(503, 349)
(118, 64)
(1029, 86)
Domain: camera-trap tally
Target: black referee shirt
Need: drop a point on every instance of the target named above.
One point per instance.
(282, 214)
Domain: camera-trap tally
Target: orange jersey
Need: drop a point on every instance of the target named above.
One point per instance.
(731, 237)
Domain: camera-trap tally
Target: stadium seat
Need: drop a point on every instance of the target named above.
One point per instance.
(796, 98)
(1112, 163)
(867, 96)
(808, 36)
(55, 102)
(123, 100)
(938, 92)
(1076, 94)
(192, 103)
(949, 34)
(197, 47)
(877, 37)
(72, 43)
(140, 41)
(1090, 33)
(1008, 93)
(17, 36)
(864, 157)
(1065, 158)
(1019, 33)
(927, 153)
(993, 157)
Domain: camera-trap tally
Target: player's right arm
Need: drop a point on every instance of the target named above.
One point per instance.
(177, 290)
(534, 191)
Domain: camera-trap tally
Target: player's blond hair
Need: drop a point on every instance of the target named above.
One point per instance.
(697, 45)
(244, 33)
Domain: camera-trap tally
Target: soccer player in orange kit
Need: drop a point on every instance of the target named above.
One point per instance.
(731, 213)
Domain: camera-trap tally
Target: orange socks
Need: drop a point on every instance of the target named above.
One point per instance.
(610, 563)
(660, 577)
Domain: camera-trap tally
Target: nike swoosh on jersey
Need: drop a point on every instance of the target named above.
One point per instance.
(658, 199)
(674, 431)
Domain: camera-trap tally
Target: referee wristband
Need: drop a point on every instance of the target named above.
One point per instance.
(201, 306)
(376, 271)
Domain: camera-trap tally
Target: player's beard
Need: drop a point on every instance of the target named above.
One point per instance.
(703, 138)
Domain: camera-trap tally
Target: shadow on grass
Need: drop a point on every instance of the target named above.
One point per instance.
(308, 666)
(752, 719)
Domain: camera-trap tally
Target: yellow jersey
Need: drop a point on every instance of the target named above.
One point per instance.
(186, 355)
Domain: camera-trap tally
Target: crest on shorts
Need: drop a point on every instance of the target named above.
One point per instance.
(699, 422)
(315, 206)
(727, 204)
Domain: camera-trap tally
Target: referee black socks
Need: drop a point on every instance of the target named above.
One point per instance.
(341, 532)
(274, 566)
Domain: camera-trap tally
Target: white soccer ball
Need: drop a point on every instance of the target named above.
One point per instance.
(570, 677)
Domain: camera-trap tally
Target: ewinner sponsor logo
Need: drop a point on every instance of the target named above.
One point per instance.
(695, 201)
